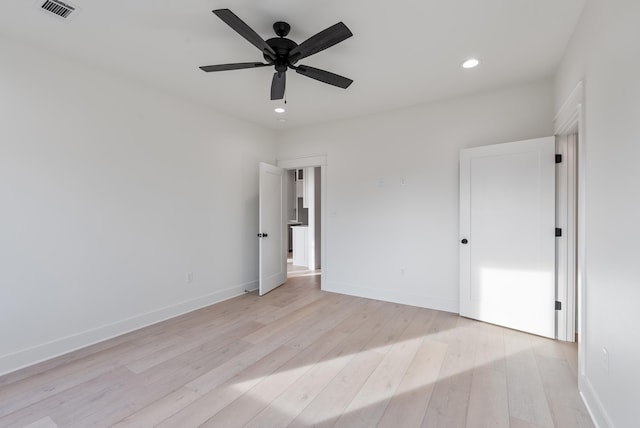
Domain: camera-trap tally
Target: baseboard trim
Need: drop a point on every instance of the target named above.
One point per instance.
(445, 305)
(46, 351)
(594, 406)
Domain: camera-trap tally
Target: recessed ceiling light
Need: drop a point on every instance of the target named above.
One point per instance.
(279, 110)
(470, 63)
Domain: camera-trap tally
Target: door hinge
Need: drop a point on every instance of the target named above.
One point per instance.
(558, 306)
(558, 232)
(558, 158)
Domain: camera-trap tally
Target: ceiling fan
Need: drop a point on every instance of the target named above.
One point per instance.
(283, 53)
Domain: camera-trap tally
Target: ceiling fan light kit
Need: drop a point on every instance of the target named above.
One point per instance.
(283, 54)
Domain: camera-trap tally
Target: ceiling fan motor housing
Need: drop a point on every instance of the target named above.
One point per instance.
(281, 47)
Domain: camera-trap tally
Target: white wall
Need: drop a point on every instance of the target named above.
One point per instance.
(605, 54)
(109, 194)
(378, 228)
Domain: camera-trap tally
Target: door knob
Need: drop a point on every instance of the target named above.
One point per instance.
(264, 235)
(464, 241)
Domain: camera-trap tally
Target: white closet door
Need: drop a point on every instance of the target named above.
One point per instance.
(507, 235)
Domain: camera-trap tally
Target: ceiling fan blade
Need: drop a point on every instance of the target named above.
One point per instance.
(324, 76)
(278, 85)
(245, 31)
(321, 41)
(235, 66)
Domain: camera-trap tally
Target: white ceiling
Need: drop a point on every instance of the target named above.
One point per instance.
(403, 52)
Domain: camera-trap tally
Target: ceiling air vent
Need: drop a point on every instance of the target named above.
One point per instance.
(58, 8)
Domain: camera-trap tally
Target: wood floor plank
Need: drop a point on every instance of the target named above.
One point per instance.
(527, 399)
(141, 391)
(198, 412)
(336, 313)
(565, 402)
(158, 353)
(289, 404)
(302, 357)
(409, 402)
(268, 389)
(291, 337)
(159, 410)
(490, 353)
(33, 389)
(370, 403)
(362, 343)
(283, 310)
(69, 400)
(519, 423)
(450, 397)
(43, 423)
(392, 331)
(388, 325)
(231, 368)
(67, 408)
(327, 407)
(300, 317)
(355, 320)
(488, 400)
(222, 334)
(570, 351)
(154, 384)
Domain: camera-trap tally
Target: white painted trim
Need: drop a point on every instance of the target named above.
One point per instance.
(567, 118)
(594, 406)
(566, 244)
(319, 160)
(571, 117)
(582, 241)
(571, 235)
(563, 241)
(310, 194)
(447, 305)
(34, 355)
(315, 161)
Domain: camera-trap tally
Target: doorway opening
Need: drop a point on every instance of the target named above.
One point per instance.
(305, 217)
(303, 221)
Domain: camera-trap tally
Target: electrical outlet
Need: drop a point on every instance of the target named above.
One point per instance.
(403, 181)
(605, 359)
(402, 271)
(189, 277)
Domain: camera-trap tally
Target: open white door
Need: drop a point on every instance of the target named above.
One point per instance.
(272, 233)
(507, 235)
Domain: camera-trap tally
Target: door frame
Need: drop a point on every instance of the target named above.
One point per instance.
(321, 162)
(566, 220)
(570, 119)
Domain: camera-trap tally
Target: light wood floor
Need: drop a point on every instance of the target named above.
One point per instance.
(301, 357)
